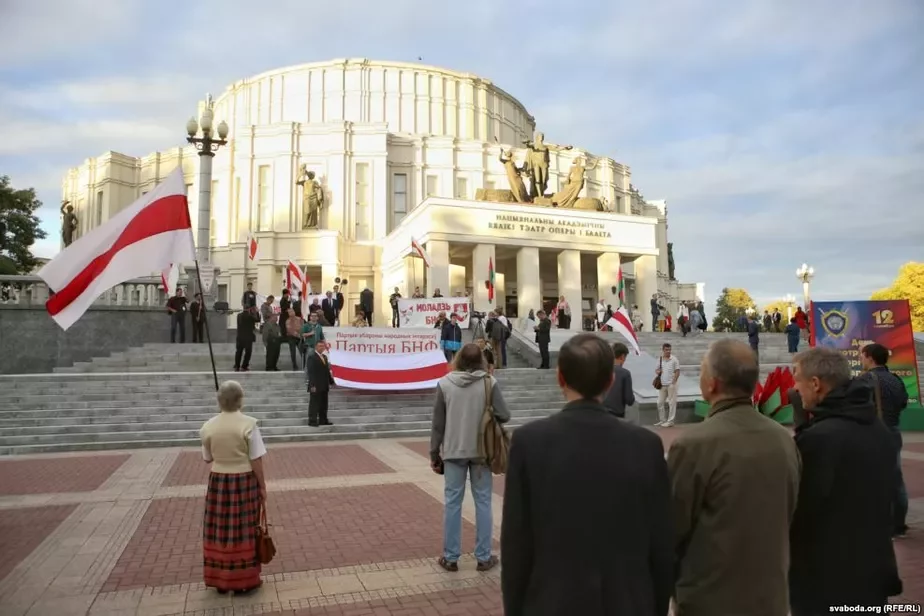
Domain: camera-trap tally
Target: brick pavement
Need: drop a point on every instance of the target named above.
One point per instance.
(287, 463)
(358, 525)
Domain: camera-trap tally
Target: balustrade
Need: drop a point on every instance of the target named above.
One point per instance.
(32, 291)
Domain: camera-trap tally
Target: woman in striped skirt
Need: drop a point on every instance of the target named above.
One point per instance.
(231, 442)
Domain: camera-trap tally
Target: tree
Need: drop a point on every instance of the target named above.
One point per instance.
(776, 305)
(909, 284)
(19, 225)
(729, 308)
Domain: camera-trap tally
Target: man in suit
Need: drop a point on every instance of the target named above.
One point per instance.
(543, 338)
(197, 312)
(586, 527)
(247, 322)
(329, 308)
(317, 368)
(735, 479)
(620, 396)
(338, 304)
(367, 304)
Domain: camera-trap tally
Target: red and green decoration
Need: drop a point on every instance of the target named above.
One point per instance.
(620, 287)
(490, 282)
(771, 398)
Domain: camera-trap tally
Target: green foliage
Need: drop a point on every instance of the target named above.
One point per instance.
(20, 224)
(909, 284)
(731, 306)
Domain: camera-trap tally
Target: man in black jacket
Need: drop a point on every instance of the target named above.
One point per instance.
(367, 304)
(543, 338)
(841, 536)
(891, 397)
(586, 527)
(620, 395)
(247, 322)
(317, 369)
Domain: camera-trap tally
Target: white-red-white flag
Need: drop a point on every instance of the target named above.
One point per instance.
(295, 279)
(145, 237)
(420, 252)
(621, 323)
(169, 279)
(251, 247)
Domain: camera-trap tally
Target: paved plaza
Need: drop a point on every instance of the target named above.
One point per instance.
(358, 526)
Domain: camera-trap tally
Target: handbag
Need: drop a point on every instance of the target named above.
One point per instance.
(494, 445)
(656, 383)
(266, 548)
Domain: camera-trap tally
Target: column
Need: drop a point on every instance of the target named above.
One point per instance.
(438, 274)
(529, 290)
(414, 276)
(500, 290)
(646, 285)
(607, 279)
(569, 284)
(482, 255)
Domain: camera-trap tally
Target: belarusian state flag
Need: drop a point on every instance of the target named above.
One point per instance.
(490, 279)
(620, 287)
(145, 237)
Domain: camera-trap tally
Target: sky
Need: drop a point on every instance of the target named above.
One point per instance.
(778, 132)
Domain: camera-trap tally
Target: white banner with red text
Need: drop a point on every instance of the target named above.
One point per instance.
(425, 312)
(386, 359)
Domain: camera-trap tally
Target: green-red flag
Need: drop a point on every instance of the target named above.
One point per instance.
(620, 287)
(490, 279)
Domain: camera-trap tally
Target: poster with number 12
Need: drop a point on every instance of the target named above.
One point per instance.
(849, 326)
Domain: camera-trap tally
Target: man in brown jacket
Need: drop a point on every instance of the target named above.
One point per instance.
(735, 480)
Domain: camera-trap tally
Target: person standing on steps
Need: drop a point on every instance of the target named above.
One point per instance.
(293, 335)
(249, 298)
(793, 334)
(586, 528)
(367, 303)
(320, 379)
(543, 331)
(620, 396)
(197, 314)
(455, 446)
(669, 373)
(395, 313)
(312, 334)
(247, 322)
(753, 329)
(272, 341)
(176, 307)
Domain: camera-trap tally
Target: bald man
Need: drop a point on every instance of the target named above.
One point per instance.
(735, 480)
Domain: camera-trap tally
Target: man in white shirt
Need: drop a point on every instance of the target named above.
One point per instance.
(669, 371)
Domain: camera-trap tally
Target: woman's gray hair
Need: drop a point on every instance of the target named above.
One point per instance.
(230, 396)
(824, 363)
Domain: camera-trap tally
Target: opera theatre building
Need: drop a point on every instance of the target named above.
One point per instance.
(338, 165)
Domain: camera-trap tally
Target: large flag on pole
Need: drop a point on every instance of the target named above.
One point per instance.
(251, 247)
(145, 237)
(420, 252)
(490, 279)
(295, 279)
(620, 322)
(620, 287)
(169, 279)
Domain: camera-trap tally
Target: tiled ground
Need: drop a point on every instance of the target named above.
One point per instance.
(358, 527)
(287, 463)
(51, 475)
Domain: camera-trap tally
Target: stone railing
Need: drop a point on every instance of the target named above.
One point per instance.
(32, 291)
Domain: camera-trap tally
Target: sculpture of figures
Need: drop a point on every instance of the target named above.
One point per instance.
(537, 163)
(514, 177)
(68, 223)
(312, 197)
(670, 261)
(571, 191)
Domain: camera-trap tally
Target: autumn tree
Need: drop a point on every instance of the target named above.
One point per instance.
(729, 308)
(909, 284)
(19, 227)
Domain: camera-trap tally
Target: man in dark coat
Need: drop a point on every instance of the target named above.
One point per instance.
(543, 338)
(841, 536)
(586, 527)
(329, 308)
(367, 304)
(317, 369)
(247, 322)
(620, 396)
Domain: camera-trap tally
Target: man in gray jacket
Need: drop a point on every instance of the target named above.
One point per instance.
(455, 440)
(620, 395)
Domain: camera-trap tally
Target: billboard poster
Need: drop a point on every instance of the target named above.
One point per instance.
(849, 326)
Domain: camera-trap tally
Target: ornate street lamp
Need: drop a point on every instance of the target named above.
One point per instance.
(790, 300)
(805, 273)
(207, 146)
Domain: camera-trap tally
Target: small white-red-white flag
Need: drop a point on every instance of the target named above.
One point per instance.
(295, 279)
(145, 237)
(169, 279)
(420, 252)
(251, 247)
(621, 323)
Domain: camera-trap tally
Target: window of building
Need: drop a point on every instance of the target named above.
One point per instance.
(264, 208)
(433, 186)
(99, 207)
(398, 197)
(222, 292)
(461, 188)
(362, 213)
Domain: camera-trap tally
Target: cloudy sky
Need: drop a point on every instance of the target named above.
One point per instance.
(779, 132)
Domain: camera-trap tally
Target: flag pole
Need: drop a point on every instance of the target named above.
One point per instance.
(205, 322)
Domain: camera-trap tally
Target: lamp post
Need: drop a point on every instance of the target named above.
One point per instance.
(805, 273)
(790, 302)
(207, 146)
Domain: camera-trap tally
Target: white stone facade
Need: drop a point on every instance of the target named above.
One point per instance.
(383, 138)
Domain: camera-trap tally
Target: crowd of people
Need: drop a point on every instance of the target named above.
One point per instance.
(740, 517)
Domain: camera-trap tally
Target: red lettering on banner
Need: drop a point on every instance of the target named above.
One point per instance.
(418, 346)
